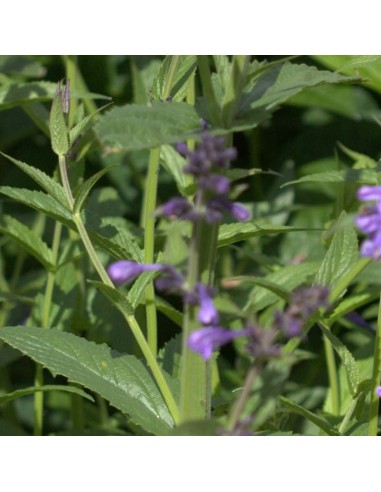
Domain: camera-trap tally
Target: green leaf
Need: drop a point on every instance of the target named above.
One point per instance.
(40, 202)
(174, 163)
(21, 65)
(287, 278)
(340, 257)
(169, 311)
(27, 239)
(183, 76)
(114, 295)
(360, 176)
(46, 182)
(87, 186)
(367, 66)
(347, 359)
(18, 94)
(281, 82)
(135, 127)
(169, 356)
(83, 125)
(232, 233)
(58, 129)
(353, 102)
(49, 387)
(319, 421)
(121, 379)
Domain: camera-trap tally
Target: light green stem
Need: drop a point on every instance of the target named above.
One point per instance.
(149, 243)
(48, 297)
(135, 328)
(332, 375)
(376, 380)
(149, 217)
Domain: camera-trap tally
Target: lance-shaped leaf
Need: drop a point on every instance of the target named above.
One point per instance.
(123, 380)
(27, 239)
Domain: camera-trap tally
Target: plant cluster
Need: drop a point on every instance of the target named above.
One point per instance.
(198, 282)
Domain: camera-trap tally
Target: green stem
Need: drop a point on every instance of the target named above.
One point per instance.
(208, 90)
(149, 217)
(149, 243)
(48, 297)
(135, 328)
(193, 392)
(376, 379)
(234, 89)
(332, 375)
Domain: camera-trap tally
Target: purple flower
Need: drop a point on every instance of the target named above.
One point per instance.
(179, 207)
(304, 303)
(378, 391)
(170, 280)
(207, 314)
(206, 340)
(209, 153)
(369, 193)
(125, 271)
(261, 342)
(215, 182)
(369, 221)
(372, 247)
(217, 205)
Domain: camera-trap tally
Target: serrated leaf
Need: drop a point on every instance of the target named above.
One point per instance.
(87, 186)
(40, 202)
(121, 379)
(347, 359)
(169, 356)
(281, 82)
(47, 183)
(27, 239)
(318, 421)
(49, 387)
(232, 233)
(340, 257)
(135, 127)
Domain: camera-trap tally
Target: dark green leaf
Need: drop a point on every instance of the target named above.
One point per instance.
(46, 182)
(41, 202)
(315, 419)
(27, 239)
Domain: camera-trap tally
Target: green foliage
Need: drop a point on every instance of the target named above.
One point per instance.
(136, 127)
(121, 379)
(306, 140)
